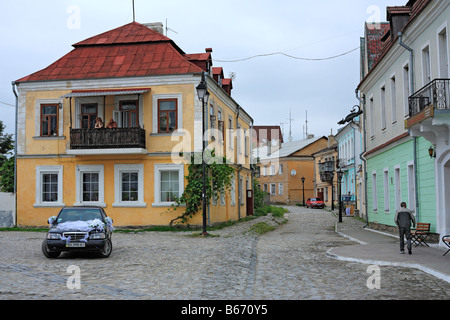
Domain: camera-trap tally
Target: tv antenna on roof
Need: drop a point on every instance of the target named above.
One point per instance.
(134, 14)
(167, 29)
(290, 126)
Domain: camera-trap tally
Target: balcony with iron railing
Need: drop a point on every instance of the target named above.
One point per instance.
(326, 171)
(107, 138)
(432, 98)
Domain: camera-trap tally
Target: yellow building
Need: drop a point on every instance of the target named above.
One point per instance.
(282, 169)
(146, 84)
(325, 178)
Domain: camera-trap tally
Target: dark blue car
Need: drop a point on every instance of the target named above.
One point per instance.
(86, 229)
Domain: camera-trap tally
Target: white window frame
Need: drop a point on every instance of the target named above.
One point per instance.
(410, 175)
(233, 190)
(231, 133)
(157, 182)
(155, 98)
(374, 192)
(246, 143)
(118, 170)
(242, 191)
(222, 198)
(393, 99)
(425, 53)
(386, 190)
(117, 112)
(272, 170)
(372, 114)
(79, 171)
(443, 59)
(88, 100)
(37, 119)
(406, 88)
(274, 191)
(397, 186)
(280, 189)
(40, 170)
(383, 106)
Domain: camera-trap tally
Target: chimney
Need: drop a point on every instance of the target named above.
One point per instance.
(397, 17)
(331, 141)
(155, 26)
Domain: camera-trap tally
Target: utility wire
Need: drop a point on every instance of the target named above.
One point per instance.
(8, 104)
(289, 56)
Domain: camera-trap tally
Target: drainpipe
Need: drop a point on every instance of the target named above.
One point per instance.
(362, 101)
(15, 153)
(411, 76)
(411, 61)
(239, 165)
(251, 165)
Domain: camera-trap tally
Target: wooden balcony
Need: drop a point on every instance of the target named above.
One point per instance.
(114, 138)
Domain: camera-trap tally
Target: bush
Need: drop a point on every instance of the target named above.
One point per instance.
(276, 211)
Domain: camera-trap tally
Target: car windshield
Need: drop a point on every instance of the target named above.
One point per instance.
(67, 215)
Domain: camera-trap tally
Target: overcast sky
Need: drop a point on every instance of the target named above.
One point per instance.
(34, 34)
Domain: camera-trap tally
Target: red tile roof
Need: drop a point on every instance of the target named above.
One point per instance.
(201, 60)
(373, 33)
(127, 51)
(130, 33)
(415, 7)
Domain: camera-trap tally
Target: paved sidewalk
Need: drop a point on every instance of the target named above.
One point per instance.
(379, 248)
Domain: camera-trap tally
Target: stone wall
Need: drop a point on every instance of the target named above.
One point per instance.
(7, 208)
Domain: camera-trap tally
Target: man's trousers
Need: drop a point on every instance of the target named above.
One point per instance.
(405, 232)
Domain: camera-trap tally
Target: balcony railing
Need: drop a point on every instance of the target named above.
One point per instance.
(326, 171)
(107, 138)
(436, 94)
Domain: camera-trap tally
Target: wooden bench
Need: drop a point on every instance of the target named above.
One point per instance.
(420, 233)
(446, 241)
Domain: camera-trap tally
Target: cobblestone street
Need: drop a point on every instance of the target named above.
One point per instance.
(287, 263)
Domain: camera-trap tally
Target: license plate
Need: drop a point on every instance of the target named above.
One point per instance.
(75, 245)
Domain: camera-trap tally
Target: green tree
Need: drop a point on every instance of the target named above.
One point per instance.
(7, 175)
(218, 180)
(6, 161)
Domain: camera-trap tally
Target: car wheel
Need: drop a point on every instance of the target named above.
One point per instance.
(47, 253)
(107, 249)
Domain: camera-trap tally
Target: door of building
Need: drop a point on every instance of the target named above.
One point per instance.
(249, 196)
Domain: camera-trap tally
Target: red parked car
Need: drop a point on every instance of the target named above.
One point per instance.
(315, 203)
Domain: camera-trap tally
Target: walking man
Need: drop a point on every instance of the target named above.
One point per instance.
(403, 219)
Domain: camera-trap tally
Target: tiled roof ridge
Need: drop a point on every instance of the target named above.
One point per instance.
(133, 32)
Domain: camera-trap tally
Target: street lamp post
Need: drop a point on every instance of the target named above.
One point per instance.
(303, 183)
(339, 173)
(203, 95)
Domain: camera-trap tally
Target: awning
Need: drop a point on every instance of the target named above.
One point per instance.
(100, 93)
